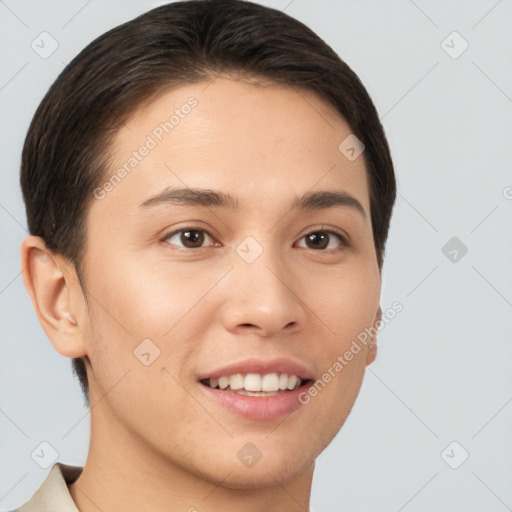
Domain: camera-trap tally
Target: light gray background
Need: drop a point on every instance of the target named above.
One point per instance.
(443, 369)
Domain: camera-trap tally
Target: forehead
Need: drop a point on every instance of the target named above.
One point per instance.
(262, 142)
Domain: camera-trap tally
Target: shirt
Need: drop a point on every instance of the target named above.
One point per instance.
(53, 494)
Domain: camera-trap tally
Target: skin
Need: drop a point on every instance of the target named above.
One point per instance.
(157, 442)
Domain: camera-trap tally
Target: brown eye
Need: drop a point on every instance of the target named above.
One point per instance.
(188, 238)
(192, 238)
(319, 240)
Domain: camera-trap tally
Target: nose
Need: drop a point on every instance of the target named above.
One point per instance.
(263, 297)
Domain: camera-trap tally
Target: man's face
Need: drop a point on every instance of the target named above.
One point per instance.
(180, 291)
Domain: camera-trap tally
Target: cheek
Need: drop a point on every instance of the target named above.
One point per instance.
(139, 323)
(345, 305)
(137, 310)
(146, 300)
(345, 309)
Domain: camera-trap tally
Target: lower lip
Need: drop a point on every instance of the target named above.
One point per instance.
(256, 407)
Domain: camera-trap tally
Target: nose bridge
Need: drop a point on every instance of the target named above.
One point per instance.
(262, 262)
(260, 295)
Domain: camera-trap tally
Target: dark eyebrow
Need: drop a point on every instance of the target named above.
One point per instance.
(193, 196)
(327, 199)
(209, 198)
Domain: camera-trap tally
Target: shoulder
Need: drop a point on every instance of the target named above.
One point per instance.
(53, 494)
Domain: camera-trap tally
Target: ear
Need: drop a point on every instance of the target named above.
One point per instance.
(53, 286)
(371, 354)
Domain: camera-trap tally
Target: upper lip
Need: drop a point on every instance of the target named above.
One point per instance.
(261, 366)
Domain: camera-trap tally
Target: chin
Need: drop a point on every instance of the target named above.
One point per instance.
(277, 468)
(265, 476)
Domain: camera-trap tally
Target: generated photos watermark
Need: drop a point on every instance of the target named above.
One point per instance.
(364, 338)
(156, 136)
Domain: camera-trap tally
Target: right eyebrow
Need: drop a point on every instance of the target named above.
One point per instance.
(195, 197)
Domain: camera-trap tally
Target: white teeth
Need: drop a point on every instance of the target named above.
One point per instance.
(270, 382)
(254, 384)
(236, 381)
(223, 382)
(283, 381)
(292, 381)
(257, 393)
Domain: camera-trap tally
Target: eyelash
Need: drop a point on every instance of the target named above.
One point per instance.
(329, 230)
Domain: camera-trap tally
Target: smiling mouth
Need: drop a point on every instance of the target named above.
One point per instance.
(255, 384)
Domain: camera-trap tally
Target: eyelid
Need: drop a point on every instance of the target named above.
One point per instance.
(344, 238)
(193, 227)
(332, 229)
(188, 227)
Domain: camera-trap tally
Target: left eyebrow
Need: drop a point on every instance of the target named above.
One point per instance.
(328, 199)
(211, 198)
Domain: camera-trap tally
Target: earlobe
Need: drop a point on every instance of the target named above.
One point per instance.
(372, 345)
(52, 285)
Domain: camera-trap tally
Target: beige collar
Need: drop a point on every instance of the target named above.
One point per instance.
(53, 494)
